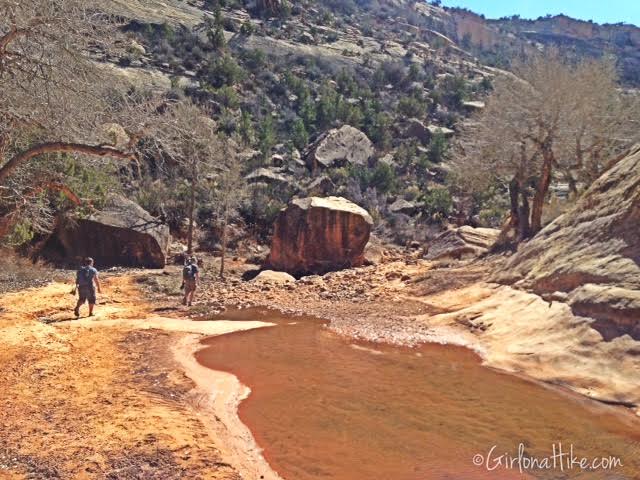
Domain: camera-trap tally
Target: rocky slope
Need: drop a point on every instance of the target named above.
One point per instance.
(398, 76)
(333, 97)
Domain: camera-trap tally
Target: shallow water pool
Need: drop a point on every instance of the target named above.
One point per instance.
(325, 407)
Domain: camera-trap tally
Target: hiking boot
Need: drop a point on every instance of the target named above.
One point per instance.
(76, 312)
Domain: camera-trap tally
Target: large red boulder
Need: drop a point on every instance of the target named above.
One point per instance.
(121, 234)
(317, 235)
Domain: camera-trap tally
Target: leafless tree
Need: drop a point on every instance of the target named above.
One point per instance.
(230, 191)
(551, 119)
(188, 138)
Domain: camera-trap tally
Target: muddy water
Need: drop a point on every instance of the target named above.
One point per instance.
(324, 407)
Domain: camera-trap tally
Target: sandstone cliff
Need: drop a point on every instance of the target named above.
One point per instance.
(590, 256)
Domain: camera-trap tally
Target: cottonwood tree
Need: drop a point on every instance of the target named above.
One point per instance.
(230, 191)
(187, 138)
(196, 153)
(551, 119)
(56, 98)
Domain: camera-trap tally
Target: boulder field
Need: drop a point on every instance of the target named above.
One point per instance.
(317, 235)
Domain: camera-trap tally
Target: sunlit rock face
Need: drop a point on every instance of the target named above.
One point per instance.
(121, 234)
(590, 255)
(317, 235)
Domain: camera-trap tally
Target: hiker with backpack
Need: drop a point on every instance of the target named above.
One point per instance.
(86, 283)
(190, 280)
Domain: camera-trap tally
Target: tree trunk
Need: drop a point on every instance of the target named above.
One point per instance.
(573, 186)
(192, 209)
(524, 229)
(223, 240)
(514, 195)
(59, 147)
(542, 189)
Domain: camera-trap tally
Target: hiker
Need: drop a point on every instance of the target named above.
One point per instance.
(86, 283)
(190, 279)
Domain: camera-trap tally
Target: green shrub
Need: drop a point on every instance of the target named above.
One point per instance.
(437, 204)
(247, 28)
(438, 148)
(21, 233)
(454, 91)
(411, 106)
(228, 97)
(307, 112)
(299, 134)
(383, 177)
(214, 29)
(327, 107)
(246, 130)
(266, 136)
(223, 71)
(254, 59)
(92, 184)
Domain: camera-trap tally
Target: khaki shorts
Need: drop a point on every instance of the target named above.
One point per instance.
(87, 293)
(189, 286)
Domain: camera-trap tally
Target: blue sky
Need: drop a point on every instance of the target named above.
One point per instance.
(600, 11)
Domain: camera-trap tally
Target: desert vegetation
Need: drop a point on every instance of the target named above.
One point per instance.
(75, 126)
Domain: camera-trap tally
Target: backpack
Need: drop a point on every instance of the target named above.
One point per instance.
(188, 272)
(84, 276)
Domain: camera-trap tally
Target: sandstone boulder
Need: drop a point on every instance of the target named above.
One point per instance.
(462, 242)
(338, 147)
(320, 186)
(317, 235)
(278, 278)
(271, 176)
(403, 206)
(122, 234)
(418, 130)
(473, 105)
(591, 253)
(437, 130)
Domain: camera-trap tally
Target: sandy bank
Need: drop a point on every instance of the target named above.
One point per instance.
(216, 397)
(104, 397)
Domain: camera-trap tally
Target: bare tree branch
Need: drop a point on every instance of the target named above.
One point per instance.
(60, 147)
